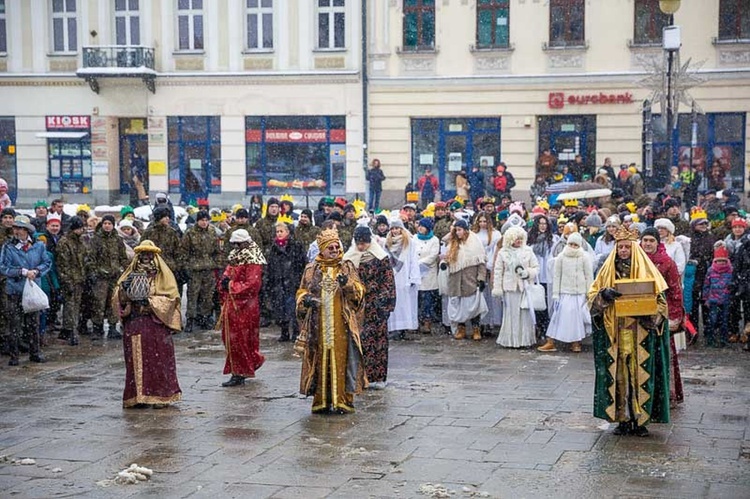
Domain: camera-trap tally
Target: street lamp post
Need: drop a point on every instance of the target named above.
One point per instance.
(671, 42)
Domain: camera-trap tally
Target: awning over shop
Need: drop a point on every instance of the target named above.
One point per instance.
(61, 135)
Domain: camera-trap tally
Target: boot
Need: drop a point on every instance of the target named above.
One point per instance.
(234, 381)
(461, 333)
(64, 334)
(38, 358)
(73, 340)
(113, 333)
(97, 332)
(188, 325)
(548, 347)
(284, 333)
(476, 334)
(576, 347)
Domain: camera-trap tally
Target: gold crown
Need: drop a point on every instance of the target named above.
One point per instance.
(625, 234)
(286, 219)
(327, 237)
(287, 197)
(698, 213)
(570, 202)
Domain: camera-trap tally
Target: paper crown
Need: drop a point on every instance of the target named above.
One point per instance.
(326, 237)
(285, 219)
(236, 207)
(625, 234)
(697, 213)
(543, 204)
(218, 216)
(287, 197)
(359, 207)
(571, 202)
(83, 207)
(40, 204)
(631, 207)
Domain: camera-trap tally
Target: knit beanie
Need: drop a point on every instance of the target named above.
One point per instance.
(76, 223)
(651, 231)
(308, 213)
(594, 220)
(202, 215)
(108, 218)
(362, 234)
(427, 223)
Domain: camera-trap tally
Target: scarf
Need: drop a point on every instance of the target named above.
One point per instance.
(373, 251)
(281, 242)
(395, 249)
(723, 267)
(425, 237)
(470, 253)
(570, 252)
(252, 255)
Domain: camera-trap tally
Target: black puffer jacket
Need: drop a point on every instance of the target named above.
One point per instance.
(282, 277)
(741, 271)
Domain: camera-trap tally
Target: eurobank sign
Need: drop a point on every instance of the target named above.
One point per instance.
(558, 100)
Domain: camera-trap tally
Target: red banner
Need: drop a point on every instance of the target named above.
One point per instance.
(67, 122)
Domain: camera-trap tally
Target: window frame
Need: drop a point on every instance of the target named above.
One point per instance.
(128, 14)
(191, 14)
(3, 27)
(493, 6)
(331, 10)
(656, 35)
(736, 11)
(420, 9)
(568, 6)
(259, 11)
(65, 16)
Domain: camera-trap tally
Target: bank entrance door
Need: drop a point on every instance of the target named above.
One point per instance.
(568, 136)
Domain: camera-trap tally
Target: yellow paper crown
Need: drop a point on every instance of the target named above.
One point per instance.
(217, 217)
(286, 219)
(236, 207)
(625, 234)
(287, 197)
(631, 207)
(83, 207)
(698, 213)
(570, 202)
(543, 204)
(429, 211)
(359, 207)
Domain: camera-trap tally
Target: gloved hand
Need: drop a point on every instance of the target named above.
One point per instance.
(225, 284)
(307, 301)
(647, 322)
(443, 266)
(482, 285)
(522, 272)
(342, 280)
(610, 294)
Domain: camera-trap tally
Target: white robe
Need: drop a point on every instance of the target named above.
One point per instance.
(405, 316)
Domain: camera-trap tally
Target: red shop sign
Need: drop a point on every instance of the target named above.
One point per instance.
(301, 136)
(557, 100)
(66, 121)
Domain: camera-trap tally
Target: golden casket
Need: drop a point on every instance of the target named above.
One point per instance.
(638, 297)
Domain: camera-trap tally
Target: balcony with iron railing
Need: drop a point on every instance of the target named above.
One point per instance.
(118, 61)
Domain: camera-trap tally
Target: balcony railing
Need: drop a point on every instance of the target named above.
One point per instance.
(118, 61)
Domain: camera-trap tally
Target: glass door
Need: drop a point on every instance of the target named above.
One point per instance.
(454, 155)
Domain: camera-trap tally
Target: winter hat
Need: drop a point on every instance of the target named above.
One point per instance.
(362, 235)
(54, 217)
(653, 232)
(569, 229)
(575, 238)
(349, 208)
(461, 223)
(739, 222)
(340, 202)
(720, 251)
(427, 223)
(594, 220)
(639, 226)
(126, 210)
(272, 201)
(109, 218)
(613, 221)
(516, 207)
(462, 215)
(161, 197)
(440, 205)
(381, 219)
(161, 212)
(242, 213)
(239, 236)
(307, 212)
(537, 210)
(671, 203)
(396, 222)
(23, 222)
(76, 223)
(202, 215)
(125, 223)
(335, 215)
(8, 211)
(664, 223)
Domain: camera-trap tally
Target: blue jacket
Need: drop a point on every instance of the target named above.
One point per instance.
(13, 259)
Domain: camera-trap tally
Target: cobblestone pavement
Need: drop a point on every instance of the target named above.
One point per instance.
(458, 419)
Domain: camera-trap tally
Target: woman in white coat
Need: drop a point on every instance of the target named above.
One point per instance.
(571, 320)
(675, 249)
(403, 256)
(515, 267)
(490, 237)
(427, 247)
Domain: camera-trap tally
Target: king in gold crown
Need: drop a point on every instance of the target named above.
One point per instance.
(625, 234)
(327, 237)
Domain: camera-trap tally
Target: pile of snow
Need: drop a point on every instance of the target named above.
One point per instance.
(129, 476)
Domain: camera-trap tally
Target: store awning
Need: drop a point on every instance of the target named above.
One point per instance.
(61, 135)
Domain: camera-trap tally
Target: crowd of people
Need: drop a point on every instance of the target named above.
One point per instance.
(342, 281)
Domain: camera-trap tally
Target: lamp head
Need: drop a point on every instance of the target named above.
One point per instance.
(669, 7)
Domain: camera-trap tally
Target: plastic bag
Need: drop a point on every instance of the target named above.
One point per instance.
(33, 299)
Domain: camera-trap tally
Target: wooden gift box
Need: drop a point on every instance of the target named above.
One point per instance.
(638, 297)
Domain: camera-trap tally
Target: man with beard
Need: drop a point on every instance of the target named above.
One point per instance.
(306, 232)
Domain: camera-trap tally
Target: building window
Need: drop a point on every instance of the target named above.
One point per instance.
(296, 154)
(8, 154)
(64, 26)
(331, 24)
(649, 22)
(734, 20)
(190, 24)
(259, 24)
(566, 23)
(419, 25)
(127, 22)
(69, 153)
(493, 29)
(3, 29)
(194, 156)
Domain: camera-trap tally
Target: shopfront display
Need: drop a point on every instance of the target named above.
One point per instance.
(194, 152)
(450, 145)
(567, 137)
(69, 154)
(8, 170)
(133, 155)
(302, 154)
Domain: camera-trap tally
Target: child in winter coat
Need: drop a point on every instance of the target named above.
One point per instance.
(717, 295)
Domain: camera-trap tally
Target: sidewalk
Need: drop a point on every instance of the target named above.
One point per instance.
(478, 420)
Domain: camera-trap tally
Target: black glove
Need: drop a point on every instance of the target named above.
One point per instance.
(482, 285)
(647, 322)
(443, 266)
(610, 294)
(225, 284)
(307, 301)
(342, 280)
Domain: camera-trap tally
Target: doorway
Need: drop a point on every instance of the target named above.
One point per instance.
(568, 136)
(134, 159)
(194, 156)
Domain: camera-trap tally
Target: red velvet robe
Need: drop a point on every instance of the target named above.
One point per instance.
(240, 320)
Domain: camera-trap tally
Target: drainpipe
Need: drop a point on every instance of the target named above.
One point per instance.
(365, 103)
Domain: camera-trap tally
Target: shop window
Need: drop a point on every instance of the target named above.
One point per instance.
(331, 24)
(190, 24)
(127, 22)
(133, 156)
(566, 23)
(3, 29)
(303, 154)
(734, 20)
(649, 22)
(259, 23)
(64, 26)
(8, 154)
(69, 154)
(419, 25)
(194, 156)
(493, 26)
